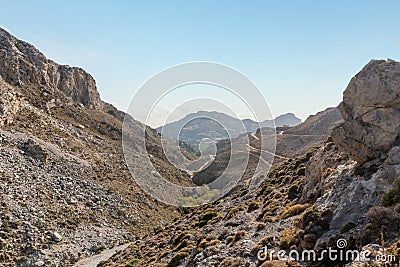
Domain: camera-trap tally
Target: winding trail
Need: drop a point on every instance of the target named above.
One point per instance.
(266, 151)
(102, 256)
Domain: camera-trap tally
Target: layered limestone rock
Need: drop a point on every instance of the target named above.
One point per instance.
(371, 110)
(22, 64)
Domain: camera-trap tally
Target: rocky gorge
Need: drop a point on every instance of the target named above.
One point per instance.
(346, 187)
(66, 193)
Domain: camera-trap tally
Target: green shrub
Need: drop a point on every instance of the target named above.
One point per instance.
(294, 210)
(177, 258)
(233, 211)
(301, 171)
(260, 226)
(287, 237)
(158, 229)
(253, 206)
(393, 196)
(131, 262)
(239, 235)
(292, 192)
(206, 217)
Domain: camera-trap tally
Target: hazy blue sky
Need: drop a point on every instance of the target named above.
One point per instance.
(301, 54)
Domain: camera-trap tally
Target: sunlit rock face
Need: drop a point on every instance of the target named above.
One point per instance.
(371, 110)
(23, 65)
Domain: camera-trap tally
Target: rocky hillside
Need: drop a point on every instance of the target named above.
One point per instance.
(291, 142)
(313, 132)
(65, 191)
(347, 188)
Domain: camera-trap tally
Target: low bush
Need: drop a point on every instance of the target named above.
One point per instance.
(240, 234)
(347, 227)
(233, 211)
(260, 226)
(393, 196)
(287, 237)
(294, 210)
(254, 205)
(132, 262)
(231, 262)
(206, 217)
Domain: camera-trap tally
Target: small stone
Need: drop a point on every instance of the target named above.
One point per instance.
(57, 237)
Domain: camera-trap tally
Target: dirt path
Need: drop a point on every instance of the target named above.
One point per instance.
(104, 255)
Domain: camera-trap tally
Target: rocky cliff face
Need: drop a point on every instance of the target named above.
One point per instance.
(21, 64)
(351, 174)
(371, 109)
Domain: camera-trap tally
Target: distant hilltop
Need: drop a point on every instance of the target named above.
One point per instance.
(210, 124)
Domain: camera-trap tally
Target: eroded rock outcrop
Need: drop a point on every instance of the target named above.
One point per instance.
(371, 110)
(10, 103)
(349, 175)
(22, 64)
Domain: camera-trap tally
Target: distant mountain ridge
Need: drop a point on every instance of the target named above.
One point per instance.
(210, 124)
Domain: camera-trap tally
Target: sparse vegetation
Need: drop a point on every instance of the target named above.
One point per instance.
(327, 172)
(206, 217)
(381, 217)
(158, 229)
(71, 184)
(132, 262)
(177, 239)
(293, 191)
(265, 241)
(260, 226)
(230, 239)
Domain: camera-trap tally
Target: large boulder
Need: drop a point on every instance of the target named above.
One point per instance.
(371, 110)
